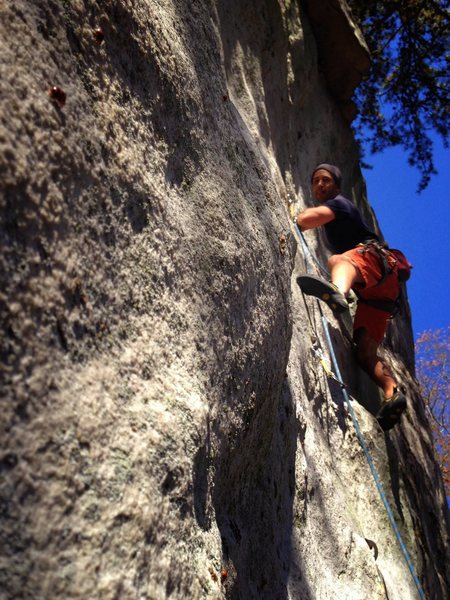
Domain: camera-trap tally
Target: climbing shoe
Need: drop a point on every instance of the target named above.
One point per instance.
(391, 410)
(323, 290)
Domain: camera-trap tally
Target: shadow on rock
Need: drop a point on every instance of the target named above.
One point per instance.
(253, 500)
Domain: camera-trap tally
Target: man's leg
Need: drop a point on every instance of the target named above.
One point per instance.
(368, 359)
(344, 274)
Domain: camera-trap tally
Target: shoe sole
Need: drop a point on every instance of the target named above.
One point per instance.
(321, 289)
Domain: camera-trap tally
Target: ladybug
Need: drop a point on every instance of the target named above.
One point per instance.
(223, 574)
(58, 95)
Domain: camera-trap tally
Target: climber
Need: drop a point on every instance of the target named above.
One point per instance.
(359, 262)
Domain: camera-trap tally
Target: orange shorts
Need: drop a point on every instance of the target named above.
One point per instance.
(374, 320)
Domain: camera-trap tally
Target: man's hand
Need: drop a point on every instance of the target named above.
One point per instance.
(314, 217)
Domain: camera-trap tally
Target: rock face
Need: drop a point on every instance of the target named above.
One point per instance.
(167, 430)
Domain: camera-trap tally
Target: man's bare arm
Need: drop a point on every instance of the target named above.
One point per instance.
(314, 217)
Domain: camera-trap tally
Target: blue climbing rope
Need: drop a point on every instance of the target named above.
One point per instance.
(308, 252)
(362, 441)
(373, 469)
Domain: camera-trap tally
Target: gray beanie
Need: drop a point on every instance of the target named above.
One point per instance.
(332, 169)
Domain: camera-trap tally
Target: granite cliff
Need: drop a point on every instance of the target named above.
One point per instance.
(167, 430)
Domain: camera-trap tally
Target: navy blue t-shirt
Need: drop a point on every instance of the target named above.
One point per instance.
(348, 229)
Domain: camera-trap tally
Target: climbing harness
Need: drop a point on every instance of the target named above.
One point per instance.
(338, 377)
(380, 249)
(403, 265)
(390, 259)
(388, 306)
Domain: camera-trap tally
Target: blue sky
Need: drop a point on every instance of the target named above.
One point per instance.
(419, 225)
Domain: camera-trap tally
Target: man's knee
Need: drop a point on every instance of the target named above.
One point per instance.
(334, 259)
(339, 259)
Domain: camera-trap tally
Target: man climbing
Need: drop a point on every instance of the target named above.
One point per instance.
(359, 262)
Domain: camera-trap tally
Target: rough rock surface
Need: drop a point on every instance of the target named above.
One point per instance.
(167, 431)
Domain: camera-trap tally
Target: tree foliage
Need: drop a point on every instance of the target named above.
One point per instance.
(433, 373)
(406, 92)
